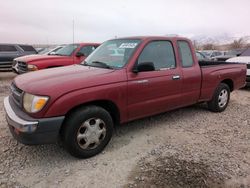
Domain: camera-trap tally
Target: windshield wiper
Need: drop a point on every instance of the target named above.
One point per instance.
(60, 54)
(104, 65)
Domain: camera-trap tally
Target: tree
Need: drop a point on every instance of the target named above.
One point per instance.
(238, 43)
(208, 46)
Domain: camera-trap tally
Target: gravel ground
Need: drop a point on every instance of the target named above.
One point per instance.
(189, 147)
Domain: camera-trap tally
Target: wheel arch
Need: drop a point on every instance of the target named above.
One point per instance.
(230, 83)
(108, 105)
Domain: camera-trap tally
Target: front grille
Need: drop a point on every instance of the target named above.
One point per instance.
(22, 67)
(248, 66)
(5, 66)
(17, 94)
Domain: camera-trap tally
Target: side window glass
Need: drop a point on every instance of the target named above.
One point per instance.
(186, 54)
(27, 48)
(87, 50)
(7, 48)
(160, 53)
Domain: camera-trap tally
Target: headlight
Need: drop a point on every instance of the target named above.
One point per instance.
(33, 103)
(32, 67)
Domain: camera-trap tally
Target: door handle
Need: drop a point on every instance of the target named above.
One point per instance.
(142, 81)
(176, 77)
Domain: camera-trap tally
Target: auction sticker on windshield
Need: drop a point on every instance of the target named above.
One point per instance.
(128, 45)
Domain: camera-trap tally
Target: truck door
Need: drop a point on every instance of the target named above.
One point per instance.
(191, 72)
(155, 91)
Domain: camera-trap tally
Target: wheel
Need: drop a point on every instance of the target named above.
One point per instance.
(220, 98)
(87, 131)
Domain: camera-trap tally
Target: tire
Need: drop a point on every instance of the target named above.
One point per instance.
(87, 131)
(220, 98)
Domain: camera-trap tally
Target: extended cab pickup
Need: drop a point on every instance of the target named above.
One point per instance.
(68, 55)
(122, 80)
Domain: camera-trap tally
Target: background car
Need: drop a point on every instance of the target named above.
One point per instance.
(228, 55)
(67, 55)
(243, 59)
(200, 56)
(51, 50)
(10, 51)
(246, 52)
(212, 53)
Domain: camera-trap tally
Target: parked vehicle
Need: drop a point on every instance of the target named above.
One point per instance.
(228, 55)
(10, 51)
(210, 54)
(68, 55)
(246, 60)
(39, 49)
(45, 51)
(200, 56)
(51, 50)
(246, 52)
(82, 104)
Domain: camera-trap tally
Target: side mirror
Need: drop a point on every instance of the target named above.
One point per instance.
(144, 67)
(79, 54)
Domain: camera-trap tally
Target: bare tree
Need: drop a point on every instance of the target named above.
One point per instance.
(238, 43)
(208, 46)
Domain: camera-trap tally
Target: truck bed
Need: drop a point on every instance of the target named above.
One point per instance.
(214, 63)
(215, 71)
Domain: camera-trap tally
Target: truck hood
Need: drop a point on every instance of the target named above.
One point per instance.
(31, 58)
(55, 82)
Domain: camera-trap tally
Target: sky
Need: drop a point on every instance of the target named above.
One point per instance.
(51, 21)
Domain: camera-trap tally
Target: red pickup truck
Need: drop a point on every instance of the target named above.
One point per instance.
(122, 80)
(68, 55)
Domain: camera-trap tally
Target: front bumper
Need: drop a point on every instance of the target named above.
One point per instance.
(28, 130)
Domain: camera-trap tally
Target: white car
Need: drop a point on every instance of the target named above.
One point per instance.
(243, 59)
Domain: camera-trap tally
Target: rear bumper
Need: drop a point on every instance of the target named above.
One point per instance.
(30, 131)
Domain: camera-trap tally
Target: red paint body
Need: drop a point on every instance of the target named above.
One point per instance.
(48, 61)
(77, 85)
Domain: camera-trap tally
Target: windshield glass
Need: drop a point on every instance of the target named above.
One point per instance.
(113, 54)
(67, 50)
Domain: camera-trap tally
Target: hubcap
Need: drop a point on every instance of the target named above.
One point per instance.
(223, 98)
(91, 133)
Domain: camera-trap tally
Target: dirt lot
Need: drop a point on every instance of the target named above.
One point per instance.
(190, 147)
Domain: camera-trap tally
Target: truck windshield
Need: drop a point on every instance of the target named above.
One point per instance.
(112, 54)
(67, 50)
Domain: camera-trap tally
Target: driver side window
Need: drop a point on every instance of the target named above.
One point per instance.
(87, 50)
(160, 53)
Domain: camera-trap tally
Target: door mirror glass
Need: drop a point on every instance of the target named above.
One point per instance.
(144, 67)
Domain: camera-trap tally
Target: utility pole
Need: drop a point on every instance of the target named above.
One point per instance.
(73, 30)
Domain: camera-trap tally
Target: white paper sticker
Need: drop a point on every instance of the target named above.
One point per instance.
(128, 45)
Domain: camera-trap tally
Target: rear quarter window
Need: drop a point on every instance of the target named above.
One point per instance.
(185, 54)
(27, 48)
(7, 48)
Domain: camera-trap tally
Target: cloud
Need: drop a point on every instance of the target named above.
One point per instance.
(50, 21)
